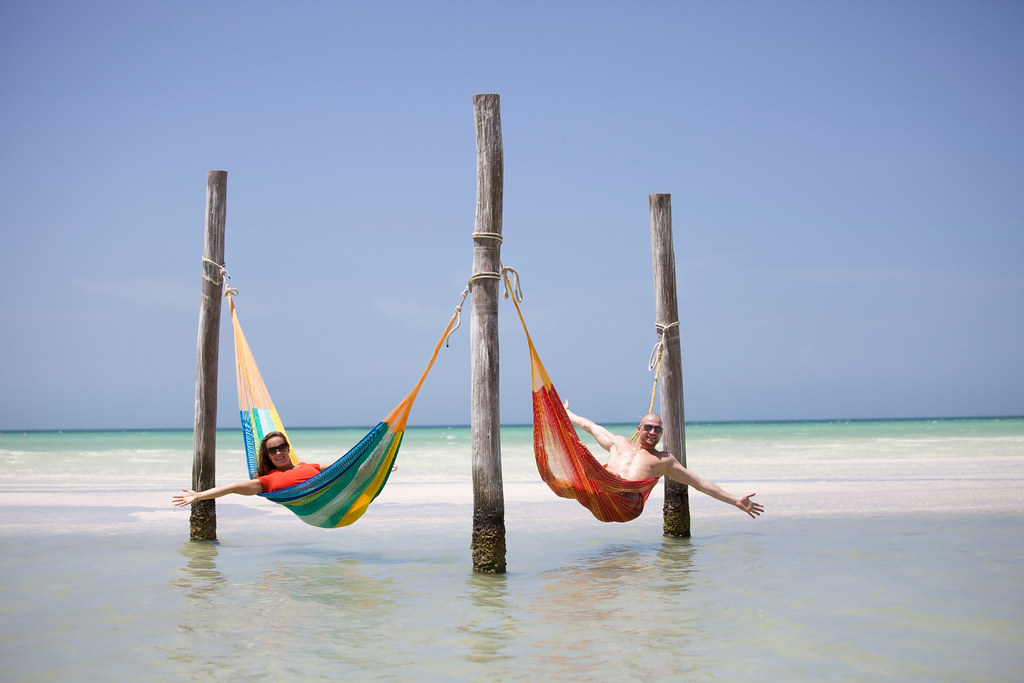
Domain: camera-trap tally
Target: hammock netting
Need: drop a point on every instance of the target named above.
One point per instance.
(342, 491)
(566, 465)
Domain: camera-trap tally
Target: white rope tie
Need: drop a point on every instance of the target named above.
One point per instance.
(517, 290)
(487, 236)
(458, 314)
(482, 276)
(224, 276)
(659, 346)
(223, 272)
(501, 275)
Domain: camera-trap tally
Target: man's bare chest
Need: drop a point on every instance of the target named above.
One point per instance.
(637, 463)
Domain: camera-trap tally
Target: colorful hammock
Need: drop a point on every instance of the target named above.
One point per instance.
(565, 464)
(341, 492)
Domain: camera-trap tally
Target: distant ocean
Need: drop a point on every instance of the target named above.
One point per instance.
(853, 573)
(430, 454)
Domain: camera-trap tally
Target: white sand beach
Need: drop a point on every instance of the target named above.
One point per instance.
(986, 485)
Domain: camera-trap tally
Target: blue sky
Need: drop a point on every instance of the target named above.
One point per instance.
(846, 184)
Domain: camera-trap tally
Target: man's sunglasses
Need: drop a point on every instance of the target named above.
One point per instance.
(651, 428)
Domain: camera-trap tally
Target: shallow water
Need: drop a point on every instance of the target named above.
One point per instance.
(922, 597)
(864, 584)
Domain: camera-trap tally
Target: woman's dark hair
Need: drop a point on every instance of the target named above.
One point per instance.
(263, 463)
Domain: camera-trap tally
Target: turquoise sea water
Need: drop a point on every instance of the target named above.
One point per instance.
(442, 453)
(101, 581)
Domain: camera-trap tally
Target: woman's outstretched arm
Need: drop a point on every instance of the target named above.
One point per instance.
(249, 487)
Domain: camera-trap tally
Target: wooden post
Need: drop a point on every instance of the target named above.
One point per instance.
(203, 522)
(677, 504)
(488, 545)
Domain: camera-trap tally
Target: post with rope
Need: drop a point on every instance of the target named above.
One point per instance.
(677, 504)
(488, 545)
(203, 522)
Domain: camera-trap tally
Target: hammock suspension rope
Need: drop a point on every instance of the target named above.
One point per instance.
(654, 364)
(342, 491)
(564, 463)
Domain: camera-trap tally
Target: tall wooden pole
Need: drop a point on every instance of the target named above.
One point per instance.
(677, 504)
(488, 544)
(203, 522)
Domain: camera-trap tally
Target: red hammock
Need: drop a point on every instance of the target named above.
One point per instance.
(565, 464)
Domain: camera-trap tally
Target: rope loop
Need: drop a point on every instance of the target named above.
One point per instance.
(654, 364)
(514, 290)
(224, 276)
(659, 346)
(487, 236)
(458, 315)
(223, 271)
(655, 357)
(482, 276)
(510, 290)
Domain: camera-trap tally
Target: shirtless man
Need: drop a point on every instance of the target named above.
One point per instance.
(644, 461)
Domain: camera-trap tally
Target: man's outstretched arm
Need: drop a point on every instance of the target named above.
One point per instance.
(684, 476)
(605, 438)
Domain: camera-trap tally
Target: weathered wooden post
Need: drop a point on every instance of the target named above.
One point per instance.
(203, 522)
(677, 503)
(485, 427)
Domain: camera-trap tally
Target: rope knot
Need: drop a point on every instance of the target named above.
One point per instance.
(224, 276)
(513, 290)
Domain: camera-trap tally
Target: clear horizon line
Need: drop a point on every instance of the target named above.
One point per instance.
(687, 423)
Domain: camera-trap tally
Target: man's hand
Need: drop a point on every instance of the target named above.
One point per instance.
(750, 507)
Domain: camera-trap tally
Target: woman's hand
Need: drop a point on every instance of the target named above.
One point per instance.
(186, 497)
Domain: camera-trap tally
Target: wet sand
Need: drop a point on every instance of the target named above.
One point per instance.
(990, 485)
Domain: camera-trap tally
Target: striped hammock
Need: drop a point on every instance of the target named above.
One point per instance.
(341, 492)
(565, 464)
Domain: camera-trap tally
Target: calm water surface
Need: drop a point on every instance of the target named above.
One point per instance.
(94, 592)
(924, 598)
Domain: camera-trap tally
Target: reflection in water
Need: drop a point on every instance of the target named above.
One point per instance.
(203, 585)
(676, 563)
(489, 626)
(600, 583)
(815, 599)
(631, 609)
(245, 605)
(594, 587)
(609, 610)
(200, 576)
(315, 582)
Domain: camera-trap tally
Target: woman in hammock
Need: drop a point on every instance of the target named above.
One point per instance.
(275, 472)
(643, 460)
